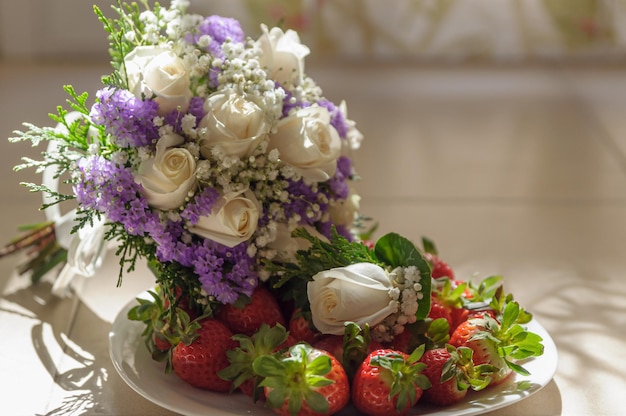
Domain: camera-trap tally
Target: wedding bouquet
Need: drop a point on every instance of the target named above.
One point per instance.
(204, 150)
(213, 157)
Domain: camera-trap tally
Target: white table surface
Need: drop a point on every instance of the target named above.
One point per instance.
(519, 171)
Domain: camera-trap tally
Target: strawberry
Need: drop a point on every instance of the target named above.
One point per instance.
(351, 348)
(305, 381)
(301, 328)
(439, 310)
(462, 298)
(389, 382)
(165, 326)
(430, 333)
(499, 344)
(199, 361)
(266, 341)
(451, 372)
(448, 297)
(439, 268)
(485, 349)
(247, 319)
(332, 344)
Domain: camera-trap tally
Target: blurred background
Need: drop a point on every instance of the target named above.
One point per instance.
(448, 30)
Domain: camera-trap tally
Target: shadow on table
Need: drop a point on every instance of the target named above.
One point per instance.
(76, 370)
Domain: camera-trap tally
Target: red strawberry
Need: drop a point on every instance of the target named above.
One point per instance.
(389, 382)
(262, 309)
(199, 362)
(448, 301)
(301, 329)
(430, 333)
(439, 310)
(165, 326)
(305, 381)
(458, 316)
(439, 268)
(470, 334)
(500, 344)
(332, 344)
(351, 348)
(444, 389)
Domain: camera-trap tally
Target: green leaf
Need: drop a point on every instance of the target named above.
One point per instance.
(318, 381)
(510, 314)
(268, 366)
(517, 368)
(429, 246)
(319, 366)
(417, 353)
(397, 251)
(316, 401)
(278, 395)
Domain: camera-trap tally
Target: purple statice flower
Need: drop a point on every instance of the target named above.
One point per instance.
(337, 120)
(225, 272)
(111, 189)
(220, 30)
(196, 108)
(125, 117)
(200, 206)
(300, 198)
(174, 118)
(289, 103)
(339, 183)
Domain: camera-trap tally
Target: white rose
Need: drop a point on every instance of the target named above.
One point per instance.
(358, 293)
(157, 71)
(344, 212)
(286, 246)
(353, 136)
(283, 55)
(234, 123)
(233, 219)
(307, 141)
(168, 178)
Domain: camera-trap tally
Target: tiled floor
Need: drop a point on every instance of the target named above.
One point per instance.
(519, 171)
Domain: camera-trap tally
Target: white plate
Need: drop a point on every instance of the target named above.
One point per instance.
(147, 377)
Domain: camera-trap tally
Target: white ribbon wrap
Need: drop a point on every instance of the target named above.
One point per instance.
(86, 248)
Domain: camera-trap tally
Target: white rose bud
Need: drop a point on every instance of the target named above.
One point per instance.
(168, 178)
(283, 55)
(159, 72)
(344, 212)
(359, 293)
(307, 141)
(286, 246)
(233, 219)
(234, 123)
(353, 137)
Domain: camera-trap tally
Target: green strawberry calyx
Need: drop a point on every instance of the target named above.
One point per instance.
(295, 377)
(460, 367)
(266, 341)
(356, 341)
(513, 341)
(402, 374)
